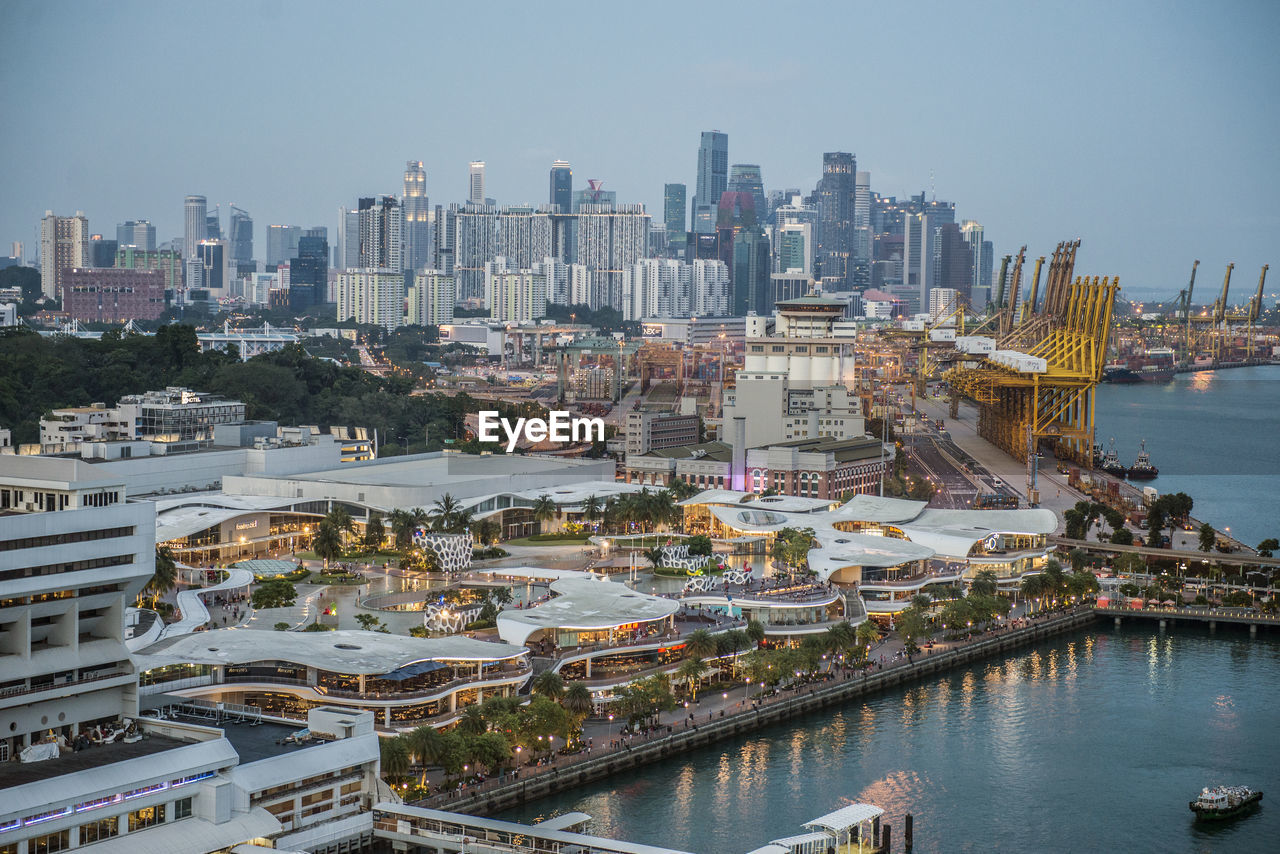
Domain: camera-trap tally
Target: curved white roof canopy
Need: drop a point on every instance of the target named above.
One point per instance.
(583, 605)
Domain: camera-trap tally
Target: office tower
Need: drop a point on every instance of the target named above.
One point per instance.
(751, 271)
(137, 232)
(793, 247)
(443, 234)
(240, 237)
(746, 178)
(984, 271)
(381, 229)
(835, 220)
(371, 296)
(64, 245)
(102, 253)
(348, 239)
(282, 244)
(309, 272)
(713, 180)
(862, 232)
(561, 186)
(675, 218)
(712, 292)
(979, 258)
(954, 261)
(417, 217)
(917, 260)
(212, 260)
(197, 229)
(514, 295)
(475, 182)
(611, 239)
(942, 212)
(431, 299)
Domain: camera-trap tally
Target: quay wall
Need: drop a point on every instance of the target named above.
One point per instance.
(537, 782)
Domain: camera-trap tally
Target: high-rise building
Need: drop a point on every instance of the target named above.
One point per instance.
(474, 244)
(712, 292)
(594, 194)
(942, 301)
(113, 294)
(713, 180)
(611, 239)
(240, 236)
(431, 299)
(657, 287)
(102, 253)
(863, 235)
(213, 224)
(381, 230)
(918, 266)
(309, 272)
(746, 178)
(979, 260)
(793, 247)
(562, 186)
(954, 261)
(137, 232)
(751, 269)
(513, 295)
(836, 192)
(417, 217)
(371, 296)
(196, 229)
(348, 239)
(166, 261)
(64, 245)
(212, 260)
(675, 218)
(282, 244)
(475, 182)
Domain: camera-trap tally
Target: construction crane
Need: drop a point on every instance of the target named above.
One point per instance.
(1185, 308)
(1255, 307)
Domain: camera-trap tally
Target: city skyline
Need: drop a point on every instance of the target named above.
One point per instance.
(1106, 164)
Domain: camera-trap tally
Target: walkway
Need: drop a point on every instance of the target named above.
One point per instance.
(194, 612)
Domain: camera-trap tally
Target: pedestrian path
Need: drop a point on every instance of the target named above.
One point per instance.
(192, 607)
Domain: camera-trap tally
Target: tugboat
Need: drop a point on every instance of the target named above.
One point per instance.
(1223, 802)
(1142, 468)
(1111, 462)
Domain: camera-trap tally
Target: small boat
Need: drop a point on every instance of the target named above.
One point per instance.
(1111, 462)
(1223, 802)
(1142, 469)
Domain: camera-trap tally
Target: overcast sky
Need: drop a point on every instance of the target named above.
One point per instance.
(1147, 129)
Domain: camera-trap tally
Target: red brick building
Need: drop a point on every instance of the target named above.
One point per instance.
(113, 294)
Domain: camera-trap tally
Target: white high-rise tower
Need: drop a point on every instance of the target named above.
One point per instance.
(476, 187)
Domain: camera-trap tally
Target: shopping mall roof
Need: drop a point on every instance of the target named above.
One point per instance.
(583, 604)
(348, 651)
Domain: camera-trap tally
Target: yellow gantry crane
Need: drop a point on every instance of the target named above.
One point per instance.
(1040, 384)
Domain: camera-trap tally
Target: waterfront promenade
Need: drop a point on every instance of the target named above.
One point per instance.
(722, 715)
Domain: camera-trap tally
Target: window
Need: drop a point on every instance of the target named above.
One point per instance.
(182, 808)
(50, 843)
(101, 829)
(146, 817)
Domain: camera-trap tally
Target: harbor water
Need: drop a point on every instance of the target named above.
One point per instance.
(1093, 741)
(1214, 435)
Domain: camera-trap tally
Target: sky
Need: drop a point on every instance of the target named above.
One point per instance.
(1149, 130)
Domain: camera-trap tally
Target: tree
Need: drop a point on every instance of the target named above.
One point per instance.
(548, 684)
(700, 644)
(368, 622)
(591, 509)
(912, 627)
(691, 671)
(838, 638)
(403, 524)
(731, 643)
(1122, 537)
(341, 520)
(654, 556)
(544, 510)
(577, 700)
(471, 721)
(327, 543)
(984, 583)
(374, 531)
(866, 635)
(444, 513)
(165, 576)
(755, 631)
(923, 601)
(1208, 536)
(281, 627)
(395, 758)
(427, 746)
(488, 532)
(274, 593)
(699, 544)
(1268, 546)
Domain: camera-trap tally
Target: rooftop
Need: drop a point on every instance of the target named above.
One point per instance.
(716, 451)
(583, 604)
(419, 470)
(21, 773)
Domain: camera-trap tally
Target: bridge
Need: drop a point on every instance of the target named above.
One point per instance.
(1212, 616)
(1234, 559)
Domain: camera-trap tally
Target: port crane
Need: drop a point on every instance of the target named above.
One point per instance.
(1255, 308)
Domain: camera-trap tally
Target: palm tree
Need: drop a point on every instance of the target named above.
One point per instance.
(577, 700)
(923, 601)
(1033, 587)
(734, 641)
(488, 532)
(984, 583)
(692, 670)
(395, 757)
(327, 543)
(544, 510)
(654, 556)
(591, 508)
(471, 721)
(700, 644)
(341, 520)
(839, 638)
(374, 531)
(444, 513)
(549, 684)
(165, 576)
(404, 523)
(865, 636)
(427, 745)
(755, 632)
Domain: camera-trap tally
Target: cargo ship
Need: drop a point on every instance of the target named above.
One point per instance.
(1154, 366)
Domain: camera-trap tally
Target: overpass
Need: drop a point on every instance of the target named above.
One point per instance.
(1212, 616)
(1189, 557)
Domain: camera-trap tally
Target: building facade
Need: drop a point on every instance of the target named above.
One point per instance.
(374, 296)
(431, 299)
(114, 295)
(417, 217)
(64, 245)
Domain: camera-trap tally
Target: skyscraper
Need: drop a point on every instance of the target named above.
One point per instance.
(240, 236)
(674, 218)
(475, 177)
(417, 217)
(137, 232)
(197, 229)
(381, 230)
(64, 245)
(980, 262)
(750, 273)
(862, 231)
(211, 258)
(309, 271)
(348, 239)
(835, 220)
(372, 296)
(611, 239)
(102, 252)
(746, 178)
(917, 260)
(713, 180)
(282, 244)
(562, 185)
